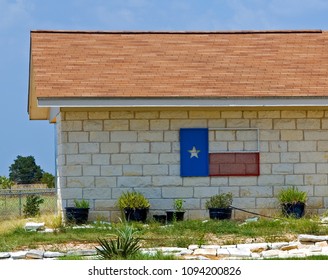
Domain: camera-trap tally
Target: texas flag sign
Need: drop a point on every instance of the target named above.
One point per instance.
(197, 160)
(194, 151)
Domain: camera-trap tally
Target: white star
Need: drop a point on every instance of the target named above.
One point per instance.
(194, 152)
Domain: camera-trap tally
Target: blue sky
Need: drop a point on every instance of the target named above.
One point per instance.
(19, 136)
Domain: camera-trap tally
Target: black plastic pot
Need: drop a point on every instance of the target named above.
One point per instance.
(174, 216)
(138, 214)
(293, 210)
(220, 213)
(77, 215)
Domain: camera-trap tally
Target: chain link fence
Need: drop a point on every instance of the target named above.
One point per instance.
(12, 201)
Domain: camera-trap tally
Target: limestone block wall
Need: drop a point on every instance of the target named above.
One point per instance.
(103, 152)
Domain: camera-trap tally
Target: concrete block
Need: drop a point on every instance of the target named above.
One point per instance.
(290, 157)
(278, 146)
(162, 125)
(269, 135)
(256, 191)
(97, 193)
(282, 168)
(103, 182)
(315, 179)
(242, 181)
(242, 123)
(302, 146)
(185, 123)
(250, 114)
(139, 125)
(293, 114)
(116, 125)
(109, 148)
(173, 114)
(232, 114)
(304, 168)
(78, 159)
(68, 148)
(274, 114)
(71, 193)
(71, 126)
(135, 147)
(314, 157)
(89, 148)
(98, 115)
(196, 181)
(75, 116)
(262, 123)
(171, 136)
(175, 181)
(160, 147)
(99, 136)
(155, 169)
(267, 202)
(150, 136)
(124, 136)
(177, 192)
(111, 170)
(147, 115)
(144, 158)
(80, 181)
(70, 170)
(132, 170)
(122, 115)
(120, 159)
(291, 134)
(134, 181)
(174, 170)
(91, 170)
(169, 158)
(93, 125)
(294, 180)
(284, 124)
(308, 123)
(271, 180)
(316, 135)
(100, 159)
(78, 136)
(205, 114)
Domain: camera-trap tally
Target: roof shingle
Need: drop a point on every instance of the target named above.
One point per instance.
(178, 64)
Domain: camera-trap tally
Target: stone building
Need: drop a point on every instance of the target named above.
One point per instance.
(120, 99)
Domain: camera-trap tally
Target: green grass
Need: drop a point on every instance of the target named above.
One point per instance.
(181, 234)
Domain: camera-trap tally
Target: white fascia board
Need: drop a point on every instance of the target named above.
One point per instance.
(183, 102)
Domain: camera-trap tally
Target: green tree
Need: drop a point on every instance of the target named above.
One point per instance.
(25, 171)
(5, 183)
(48, 179)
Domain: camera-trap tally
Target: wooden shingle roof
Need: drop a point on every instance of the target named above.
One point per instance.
(76, 64)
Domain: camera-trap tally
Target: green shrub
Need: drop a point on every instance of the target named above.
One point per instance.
(81, 203)
(32, 206)
(132, 200)
(223, 200)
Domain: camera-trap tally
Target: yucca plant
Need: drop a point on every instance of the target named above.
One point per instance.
(124, 246)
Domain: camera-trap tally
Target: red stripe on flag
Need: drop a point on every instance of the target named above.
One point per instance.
(234, 164)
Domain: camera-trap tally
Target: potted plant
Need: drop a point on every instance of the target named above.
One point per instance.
(219, 206)
(134, 205)
(178, 213)
(292, 202)
(79, 213)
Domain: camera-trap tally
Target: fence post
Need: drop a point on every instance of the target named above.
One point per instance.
(20, 202)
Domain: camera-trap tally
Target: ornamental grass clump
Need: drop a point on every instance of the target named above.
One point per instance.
(292, 195)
